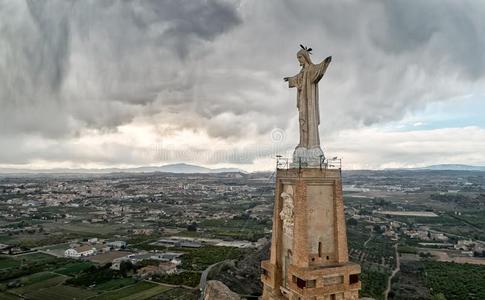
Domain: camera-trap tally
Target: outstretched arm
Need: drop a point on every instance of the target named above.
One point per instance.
(320, 69)
(292, 81)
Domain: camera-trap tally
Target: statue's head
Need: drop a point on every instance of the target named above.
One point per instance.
(303, 56)
(287, 199)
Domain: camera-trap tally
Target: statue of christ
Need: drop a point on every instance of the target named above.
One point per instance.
(306, 82)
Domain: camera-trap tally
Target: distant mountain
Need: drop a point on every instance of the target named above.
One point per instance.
(186, 168)
(453, 167)
(171, 168)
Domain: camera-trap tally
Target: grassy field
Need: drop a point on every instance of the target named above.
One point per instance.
(114, 284)
(243, 229)
(128, 291)
(7, 296)
(97, 230)
(61, 292)
(147, 294)
(37, 277)
(42, 284)
(6, 239)
(177, 293)
(36, 257)
(74, 268)
(107, 257)
(8, 262)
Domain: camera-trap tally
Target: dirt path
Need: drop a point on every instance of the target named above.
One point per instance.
(368, 240)
(394, 272)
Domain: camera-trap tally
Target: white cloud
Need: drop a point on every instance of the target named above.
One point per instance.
(373, 148)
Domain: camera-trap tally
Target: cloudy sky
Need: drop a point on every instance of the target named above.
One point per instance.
(131, 83)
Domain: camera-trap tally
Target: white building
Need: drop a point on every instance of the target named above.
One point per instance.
(117, 244)
(81, 251)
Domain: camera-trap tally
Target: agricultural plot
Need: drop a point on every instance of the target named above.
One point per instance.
(108, 257)
(36, 258)
(74, 268)
(37, 277)
(7, 296)
(60, 292)
(177, 293)
(128, 291)
(184, 278)
(87, 229)
(42, 284)
(114, 284)
(199, 259)
(147, 294)
(7, 262)
(455, 281)
(375, 255)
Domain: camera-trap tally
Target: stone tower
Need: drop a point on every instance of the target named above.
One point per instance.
(309, 257)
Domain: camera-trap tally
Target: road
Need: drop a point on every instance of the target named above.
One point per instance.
(203, 277)
(394, 272)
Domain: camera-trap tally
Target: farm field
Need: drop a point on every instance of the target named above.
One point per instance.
(177, 293)
(60, 292)
(7, 296)
(129, 291)
(114, 284)
(35, 257)
(74, 268)
(91, 229)
(107, 257)
(41, 283)
(456, 281)
(8, 262)
(147, 294)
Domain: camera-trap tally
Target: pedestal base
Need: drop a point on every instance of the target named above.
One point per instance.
(303, 157)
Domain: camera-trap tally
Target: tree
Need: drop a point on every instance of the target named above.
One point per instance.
(439, 296)
(352, 222)
(192, 227)
(125, 267)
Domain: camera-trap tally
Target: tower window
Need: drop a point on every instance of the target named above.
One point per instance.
(300, 283)
(354, 278)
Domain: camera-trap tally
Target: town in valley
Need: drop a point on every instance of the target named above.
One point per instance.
(417, 233)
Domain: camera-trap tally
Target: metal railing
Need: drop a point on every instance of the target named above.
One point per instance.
(333, 163)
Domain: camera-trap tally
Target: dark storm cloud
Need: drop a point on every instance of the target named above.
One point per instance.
(217, 65)
(64, 61)
(390, 57)
(450, 29)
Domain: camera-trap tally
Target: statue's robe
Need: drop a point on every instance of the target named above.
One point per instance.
(309, 115)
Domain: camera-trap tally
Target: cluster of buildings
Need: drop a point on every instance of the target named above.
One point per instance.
(160, 262)
(165, 263)
(92, 247)
(470, 248)
(122, 198)
(423, 233)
